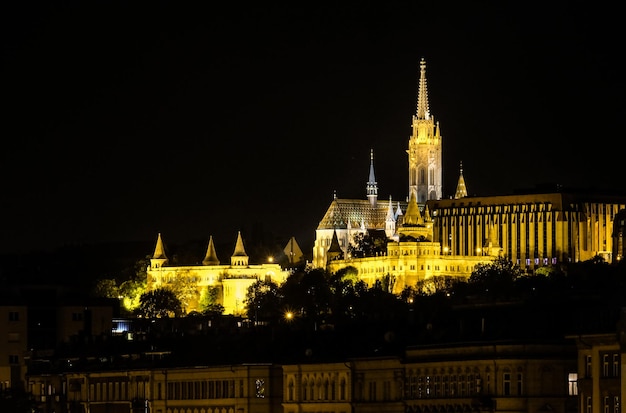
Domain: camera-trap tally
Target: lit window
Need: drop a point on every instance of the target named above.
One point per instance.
(572, 384)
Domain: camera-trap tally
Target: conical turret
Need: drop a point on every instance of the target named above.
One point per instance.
(239, 257)
(293, 252)
(334, 250)
(412, 216)
(159, 258)
(211, 256)
(461, 189)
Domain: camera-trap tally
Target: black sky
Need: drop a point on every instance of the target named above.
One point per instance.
(121, 120)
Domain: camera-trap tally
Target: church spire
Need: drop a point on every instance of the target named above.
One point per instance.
(425, 148)
(372, 185)
(211, 255)
(461, 189)
(422, 94)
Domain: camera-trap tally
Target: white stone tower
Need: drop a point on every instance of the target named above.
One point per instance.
(425, 166)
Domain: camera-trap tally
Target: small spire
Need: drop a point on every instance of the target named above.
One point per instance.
(390, 216)
(239, 257)
(211, 255)
(292, 251)
(239, 249)
(334, 251)
(372, 185)
(422, 94)
(461, 189)
(159, 259)
(398, 211)
(159, 250)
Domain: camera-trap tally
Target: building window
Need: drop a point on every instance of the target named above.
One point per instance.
(290, 388)
(386, 391)
(506, 384)
(588, 366)
(372, 391)
(605, 365)
(588, 405)
(616, 404)
(14, 316)
(342, 390)
(615, 371)
(606, 405)
(14, 359)
(520, 384)
(573, 384)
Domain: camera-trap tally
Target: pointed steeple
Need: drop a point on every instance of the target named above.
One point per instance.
(390, 215)
(293, 252)
(158, 257)
(461, 189)
(425, 148)
(372, 185)
(390, 220)
(398, 211)
(239, 257)
(422, 94)
(334, 250)
(412, 215)
(211, 256)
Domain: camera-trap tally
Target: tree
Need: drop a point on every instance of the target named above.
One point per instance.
(497, 276)
(435, 285)
(367, 245)
(107, 288)
(263, 301)
(130, 289)
(185, 289)
(159, 303)
(131, 292)
(208, 302)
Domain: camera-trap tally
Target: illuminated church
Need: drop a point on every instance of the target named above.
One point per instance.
(429, 236)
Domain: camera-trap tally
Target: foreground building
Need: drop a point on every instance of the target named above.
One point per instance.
(232, 388)
(602, 370)
(470, 377)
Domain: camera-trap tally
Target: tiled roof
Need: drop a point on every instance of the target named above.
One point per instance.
(356, 211)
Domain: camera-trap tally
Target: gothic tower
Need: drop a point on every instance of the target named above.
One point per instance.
(425, 167)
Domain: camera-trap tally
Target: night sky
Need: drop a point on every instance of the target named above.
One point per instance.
(121, 120)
